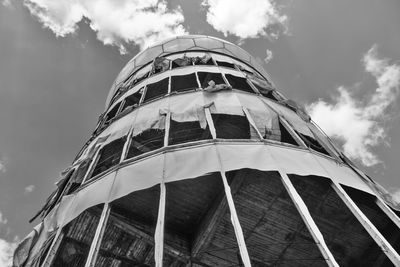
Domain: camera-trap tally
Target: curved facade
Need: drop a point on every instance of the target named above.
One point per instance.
(199, 161)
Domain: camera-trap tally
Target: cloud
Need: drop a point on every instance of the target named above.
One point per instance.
(6, 252)
(116, 23)
(359, 123)
(269, 56)
(246, 19)
(2, 220)
(6, 3)
(3, 163)
(29, 189)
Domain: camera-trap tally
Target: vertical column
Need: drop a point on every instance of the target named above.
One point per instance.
(234, 217)
(53, 248)
(98, 236)
(368, 226)
(308, 220)
(159, 232)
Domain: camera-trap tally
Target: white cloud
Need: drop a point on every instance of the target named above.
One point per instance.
(3, 163)
(246, 19)
(29, 189)
(269, 56)
(6, 252)
(2, 220)
(6, 3)
(358, 123)
(117, 23)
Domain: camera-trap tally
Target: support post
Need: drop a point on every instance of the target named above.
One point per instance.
(308, 220)
(159, 232)
(53, 248)
(98, 236)
(366, 223)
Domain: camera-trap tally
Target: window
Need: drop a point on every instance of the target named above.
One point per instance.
(146, 141)
(225, 64)
(132, 101)
(204, 60)
(112, 113)
(286, 137)
(183, 83)
(206, 77)
(239, 83)
(312, 143)
(231, 126)
(157, 89)
(182, 62)
(264, 88)
(109, 156)
(182, 132)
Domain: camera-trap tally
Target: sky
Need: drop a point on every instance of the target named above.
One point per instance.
(58, 59)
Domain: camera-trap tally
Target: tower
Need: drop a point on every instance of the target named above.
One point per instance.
(199, 161)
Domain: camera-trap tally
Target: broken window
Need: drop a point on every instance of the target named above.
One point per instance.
(286, 137)
(109, 156)
(155, 90)
(77, 237)
(231, 126)
(160, 64)
(112, 113)
(206, 78)
(203, 60)
(183, 83)
(181, 62)
(132, 101)
(146, 141)
(139, 76)
(225, 64)
(187, 131)
(312, 143)
(128, 237)
(264, 87)
(239, 83)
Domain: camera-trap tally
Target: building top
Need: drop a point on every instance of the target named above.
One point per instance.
(179, 44)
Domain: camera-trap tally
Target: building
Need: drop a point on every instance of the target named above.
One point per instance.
(199, 161)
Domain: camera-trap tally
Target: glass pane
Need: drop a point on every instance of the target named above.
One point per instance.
(345, 237)
(183, 83)
(178, 45)
(78, 236)
(208, 43)
(231, 126)
(182, 132)
(148, 140)
(148, 55)
(155, 90)
(238, 52)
